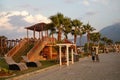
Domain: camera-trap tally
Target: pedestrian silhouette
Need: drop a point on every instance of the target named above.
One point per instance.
(93, 54)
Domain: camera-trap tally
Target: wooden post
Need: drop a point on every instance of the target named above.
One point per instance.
(50, 52)
(97, 50)
(47, 33)
(72, 56)
(60, 55)
(39, 34)
(67, 52)
(27, 34)
(42, 31)
(34, 33)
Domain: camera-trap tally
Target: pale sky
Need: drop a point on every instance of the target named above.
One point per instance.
(17, 14)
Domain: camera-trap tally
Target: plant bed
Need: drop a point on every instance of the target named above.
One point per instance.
(5, 73)
(45, 64)
(17, 73)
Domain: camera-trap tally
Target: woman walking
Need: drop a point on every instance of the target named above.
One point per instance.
(93, 54)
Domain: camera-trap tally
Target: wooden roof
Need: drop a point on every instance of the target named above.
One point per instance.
(37, 27)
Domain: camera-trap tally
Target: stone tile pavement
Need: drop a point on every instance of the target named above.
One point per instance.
(107, 69)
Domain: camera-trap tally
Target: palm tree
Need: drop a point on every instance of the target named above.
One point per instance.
(104, 40)
(81, 33)
(52, 29)
(76, 26)
(109, 41)
(57, 21)
(67, 26)
(95, 37)
(88, 30)
(117, 42)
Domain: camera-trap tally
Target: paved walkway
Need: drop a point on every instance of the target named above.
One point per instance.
(107, 69)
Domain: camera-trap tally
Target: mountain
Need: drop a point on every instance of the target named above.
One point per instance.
(83, 41)
(112, 32)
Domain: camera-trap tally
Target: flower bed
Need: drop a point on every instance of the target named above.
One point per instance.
(5, 73)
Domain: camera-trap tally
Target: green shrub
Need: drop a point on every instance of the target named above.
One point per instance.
(3, 64)
(5, 71)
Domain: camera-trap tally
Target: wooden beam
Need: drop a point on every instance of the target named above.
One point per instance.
(67, 52)
(60, 56)
(34, 33)
(72, 55)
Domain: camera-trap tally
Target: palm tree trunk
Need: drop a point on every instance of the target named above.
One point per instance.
(59, 35)
(80, 40)
(88, 39)
(75, 38)
(66, 37)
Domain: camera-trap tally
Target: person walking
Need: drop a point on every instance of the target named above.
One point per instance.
(96, 55)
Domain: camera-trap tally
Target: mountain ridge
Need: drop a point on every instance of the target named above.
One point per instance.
(112, 32)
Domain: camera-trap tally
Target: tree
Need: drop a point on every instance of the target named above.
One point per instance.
(75, 30)
(3, 45)
(67, 26)
(104, 40)
(109, 42)
(52, 29)
(117, 42)
(57, 21)
(88, 30)
(81, 33)
(95, 37)
(2, 41)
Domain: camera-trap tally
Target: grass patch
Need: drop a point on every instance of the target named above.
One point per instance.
(3, 64)
(45, 64)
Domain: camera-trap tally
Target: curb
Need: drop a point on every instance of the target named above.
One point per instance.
(31, 73)
(7, 76)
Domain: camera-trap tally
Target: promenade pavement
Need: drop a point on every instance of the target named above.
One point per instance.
(107, 69)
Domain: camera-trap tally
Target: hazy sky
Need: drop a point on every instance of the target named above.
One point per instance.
(17, 14)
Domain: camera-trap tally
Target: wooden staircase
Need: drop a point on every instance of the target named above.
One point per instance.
(34, 53)
(23, 51)
(15, 49)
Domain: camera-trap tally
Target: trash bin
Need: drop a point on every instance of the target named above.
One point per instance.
(76, 57)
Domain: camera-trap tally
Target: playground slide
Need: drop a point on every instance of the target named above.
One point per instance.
(23, 51)
(34, 53)
(16, 48)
